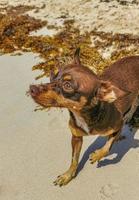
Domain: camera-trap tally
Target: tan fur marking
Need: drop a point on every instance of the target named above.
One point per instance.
(67, 78)
(107, 132)
(75, 130)
(52, 99)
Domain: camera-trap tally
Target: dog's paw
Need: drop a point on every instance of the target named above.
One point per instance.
(63, 179)
(97, 155)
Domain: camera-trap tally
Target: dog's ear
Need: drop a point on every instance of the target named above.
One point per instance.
(109, 92)
(77, 56)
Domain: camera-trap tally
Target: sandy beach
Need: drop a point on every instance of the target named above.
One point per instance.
(35, 146)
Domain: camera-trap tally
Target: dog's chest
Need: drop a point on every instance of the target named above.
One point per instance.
(80, 122)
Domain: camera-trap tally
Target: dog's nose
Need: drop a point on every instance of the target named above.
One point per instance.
(34, 90)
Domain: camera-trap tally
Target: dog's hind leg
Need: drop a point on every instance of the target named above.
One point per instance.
(130, 114)
(135, 119)
(104, 151)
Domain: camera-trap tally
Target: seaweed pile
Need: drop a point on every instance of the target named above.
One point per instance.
(16, 25)
(122, 2)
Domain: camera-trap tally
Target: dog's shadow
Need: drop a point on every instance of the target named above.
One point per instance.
(120, 148)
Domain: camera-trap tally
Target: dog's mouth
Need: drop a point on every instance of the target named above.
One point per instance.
(44, 96)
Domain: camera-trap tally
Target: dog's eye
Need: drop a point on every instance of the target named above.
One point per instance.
(67, 87)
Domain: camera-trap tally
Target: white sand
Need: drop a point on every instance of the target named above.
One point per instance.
(88, 14)
(35, 146)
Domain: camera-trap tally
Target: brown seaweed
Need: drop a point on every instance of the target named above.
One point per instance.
(15, 27)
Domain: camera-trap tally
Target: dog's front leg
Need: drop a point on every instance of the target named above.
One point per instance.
(63, 179)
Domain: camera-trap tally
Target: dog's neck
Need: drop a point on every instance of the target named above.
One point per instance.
(98, 117)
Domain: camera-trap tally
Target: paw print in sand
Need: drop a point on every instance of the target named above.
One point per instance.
(108, 191)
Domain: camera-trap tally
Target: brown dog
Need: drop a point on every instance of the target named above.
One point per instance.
(97, 104)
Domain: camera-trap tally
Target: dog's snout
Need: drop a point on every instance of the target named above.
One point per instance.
(42, 88)
(34, 90)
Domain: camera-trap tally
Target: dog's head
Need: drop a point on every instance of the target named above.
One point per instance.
(74, 87)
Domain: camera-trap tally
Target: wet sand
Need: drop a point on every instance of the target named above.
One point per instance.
(35, 148)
